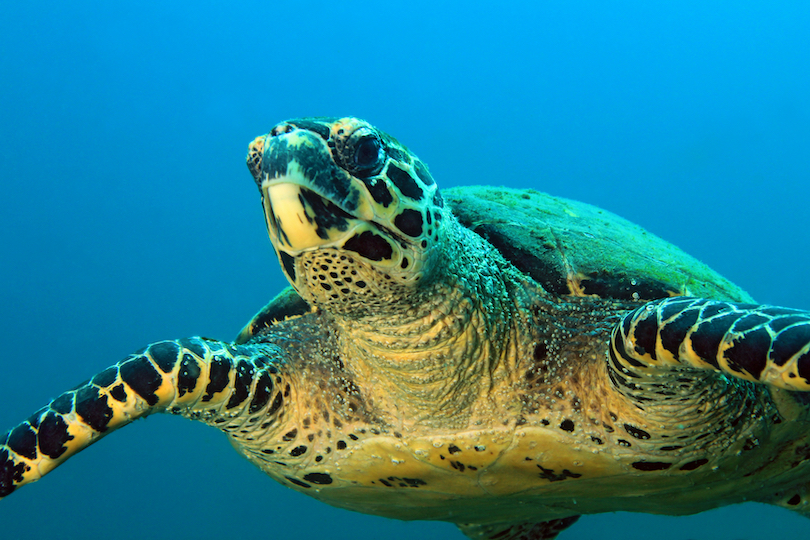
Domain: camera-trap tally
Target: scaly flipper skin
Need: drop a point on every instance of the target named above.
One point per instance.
(763, 344)
(214, 382)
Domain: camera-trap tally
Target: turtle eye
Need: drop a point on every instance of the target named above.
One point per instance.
(362, 153)
(367, 153)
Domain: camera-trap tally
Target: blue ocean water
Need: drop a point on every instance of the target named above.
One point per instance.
(128, 214)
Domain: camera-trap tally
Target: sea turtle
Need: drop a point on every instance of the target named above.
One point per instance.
(500, 359)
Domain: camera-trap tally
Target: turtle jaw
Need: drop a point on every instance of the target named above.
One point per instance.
(299, 219)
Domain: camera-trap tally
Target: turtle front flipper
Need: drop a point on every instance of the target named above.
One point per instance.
(763, 344)
(207, 380)
(542, 530)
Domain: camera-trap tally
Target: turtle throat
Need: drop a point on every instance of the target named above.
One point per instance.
(455, 326)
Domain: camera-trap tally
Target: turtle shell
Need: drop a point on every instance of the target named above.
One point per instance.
(573, 248)
(568, 247)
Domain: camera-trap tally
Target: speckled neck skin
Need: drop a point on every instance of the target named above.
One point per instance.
(434, 351)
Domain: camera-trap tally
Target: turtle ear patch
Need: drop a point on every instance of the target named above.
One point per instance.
(409, 222)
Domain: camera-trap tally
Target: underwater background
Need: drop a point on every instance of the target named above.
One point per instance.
(128, 214)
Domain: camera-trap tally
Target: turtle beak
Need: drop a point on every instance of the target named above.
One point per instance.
(309, 202)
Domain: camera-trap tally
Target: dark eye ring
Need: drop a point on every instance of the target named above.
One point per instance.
(367, 153)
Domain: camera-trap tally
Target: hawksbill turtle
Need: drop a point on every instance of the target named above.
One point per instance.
(500, 359)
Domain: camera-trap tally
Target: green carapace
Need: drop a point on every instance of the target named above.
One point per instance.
(501, 359)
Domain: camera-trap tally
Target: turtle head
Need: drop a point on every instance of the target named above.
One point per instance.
(351, 213)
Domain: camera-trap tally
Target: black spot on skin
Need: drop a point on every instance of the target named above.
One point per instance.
(277, 401)
(540, 352)
(692, 465)
(341, 445)
(646, 335)
(567, 425)
(404, 182)
(788, 343)
(193, 345)
(673, 306)
(385, 482)
(409, 222)
(318, 478)
(352, 436)
(453, 449)
(597, 440)
(438, 202)
(290, 435)
(673, 334)
(326, 214)
(370, 246)
(241, 384)
(670, 448)
(286, 304)
(796, 499)
(142, 377)
(750, 353)
(638, 433)
(218, 372)
(552, 476)
(422, 173)
(627, 324)
(298, 450)
(777, 325)
(651, 465)
(803, 366)
(624, 443)
(23, 441)
(457, 465)
(93, 409)
(63, 404)
(264, 389)
(322, 130)
(617, 338)
(33, 420)
(414, 482)
(378, 191)
(10, 473)
(289, 265)
(106, 377)
(706, 339)
(164, 353)
(776, 311)
(118, 393)
(188, 375)
(52, 435)
(298, 482)
(749, 321)
(395, 153)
